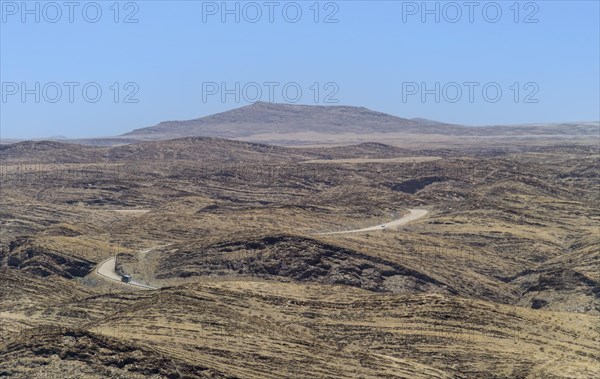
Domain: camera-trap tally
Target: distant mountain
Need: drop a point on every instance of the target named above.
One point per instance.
(311, 125)
(269, 118)
(287, 124)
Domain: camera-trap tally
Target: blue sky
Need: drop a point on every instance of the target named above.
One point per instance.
(179, 58)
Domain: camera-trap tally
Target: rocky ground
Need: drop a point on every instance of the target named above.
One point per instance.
(499, 280)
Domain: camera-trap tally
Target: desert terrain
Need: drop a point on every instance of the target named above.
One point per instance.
(350, 259)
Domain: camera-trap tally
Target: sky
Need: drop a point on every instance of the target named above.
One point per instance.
(87, 69)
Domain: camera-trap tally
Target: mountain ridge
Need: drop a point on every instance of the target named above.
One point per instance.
(264, 122)
(262, 118)
(334, 125)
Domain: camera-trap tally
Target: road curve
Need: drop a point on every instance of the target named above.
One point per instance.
(106, 269)
(412, 216)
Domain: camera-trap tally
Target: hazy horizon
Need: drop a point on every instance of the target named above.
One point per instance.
(66, 137)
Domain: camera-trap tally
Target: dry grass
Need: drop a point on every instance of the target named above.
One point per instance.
(500, 280)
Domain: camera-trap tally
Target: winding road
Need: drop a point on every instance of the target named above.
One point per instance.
(412, 216)
(106, 268)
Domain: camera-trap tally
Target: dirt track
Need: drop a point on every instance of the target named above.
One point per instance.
(106, 269)
(413, 215)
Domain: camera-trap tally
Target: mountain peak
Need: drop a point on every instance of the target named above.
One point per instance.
(266, 118)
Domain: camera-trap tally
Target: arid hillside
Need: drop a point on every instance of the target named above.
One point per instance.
(251, 261)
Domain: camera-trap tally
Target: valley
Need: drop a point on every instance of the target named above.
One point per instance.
(370, 261)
